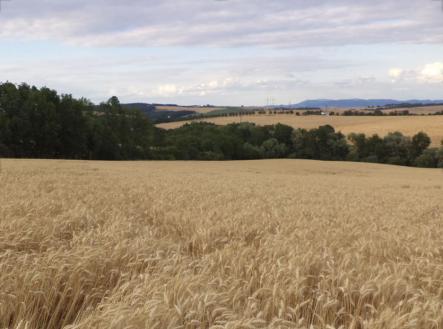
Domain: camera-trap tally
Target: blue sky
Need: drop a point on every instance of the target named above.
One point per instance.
(228, 52)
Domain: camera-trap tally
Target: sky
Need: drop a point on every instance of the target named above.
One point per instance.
(225, 52)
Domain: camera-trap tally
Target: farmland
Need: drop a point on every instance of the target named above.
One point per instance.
(408, 125)
(417, 110)
(254, 244)
(196, 109)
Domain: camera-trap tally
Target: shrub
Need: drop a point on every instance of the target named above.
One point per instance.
(429, 159)
(271, 148)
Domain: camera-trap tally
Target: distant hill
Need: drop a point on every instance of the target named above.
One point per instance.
(150, 110)
(160, 113)
(145, 108)
(359, 103)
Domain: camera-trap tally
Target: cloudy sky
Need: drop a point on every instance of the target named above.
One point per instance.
(225, 52)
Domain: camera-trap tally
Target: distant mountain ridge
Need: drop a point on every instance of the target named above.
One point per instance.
(357, 102)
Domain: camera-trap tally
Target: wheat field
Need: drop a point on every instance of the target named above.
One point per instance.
(255, 244)
(382, 125)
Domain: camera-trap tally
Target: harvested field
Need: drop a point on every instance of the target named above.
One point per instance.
(408, 125)
(420, 109)
(431, 109)
(197, 109)
(254, 244)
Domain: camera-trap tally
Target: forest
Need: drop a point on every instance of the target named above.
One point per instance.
(40, 123)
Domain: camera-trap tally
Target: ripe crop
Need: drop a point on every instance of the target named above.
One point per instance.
(254, 244)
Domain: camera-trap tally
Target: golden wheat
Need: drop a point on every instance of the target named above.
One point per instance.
(264, 244)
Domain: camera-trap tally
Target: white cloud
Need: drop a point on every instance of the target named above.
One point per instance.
(428, 74)
(236, 51)
(277, 23)
(399, 75)
(432, 73)
(395, 73)
(167, 90)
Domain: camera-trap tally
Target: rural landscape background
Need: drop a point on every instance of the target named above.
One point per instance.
(283, 243)
(221, 164)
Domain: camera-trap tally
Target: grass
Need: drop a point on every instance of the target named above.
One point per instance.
(409, 125)
(260, 244)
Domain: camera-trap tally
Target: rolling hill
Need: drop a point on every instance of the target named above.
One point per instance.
(360, 103)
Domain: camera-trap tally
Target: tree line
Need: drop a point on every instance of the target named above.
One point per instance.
(240, 141)
(39, 123)
(298, 112)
